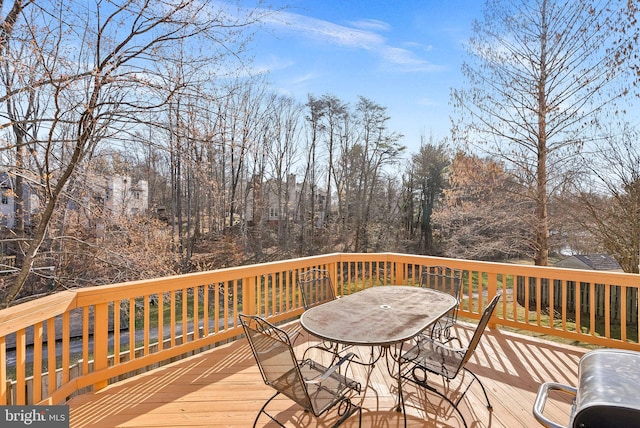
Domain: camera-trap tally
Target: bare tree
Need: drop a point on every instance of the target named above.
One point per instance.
(607, 204)
(283, 142)
(377, 147)
(307, 202)
(539, 78)
(335, 113)
(429, 168)
(624, 53)
(99, 89)
(328, 117)
(482, 215)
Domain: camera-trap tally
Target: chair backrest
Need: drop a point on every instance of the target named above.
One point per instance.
(316, 287)
(276, 360)
(482, 325)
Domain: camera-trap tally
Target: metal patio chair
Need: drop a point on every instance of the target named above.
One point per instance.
(430, 356)
(316, 388)
(315, 287)
(447, 280)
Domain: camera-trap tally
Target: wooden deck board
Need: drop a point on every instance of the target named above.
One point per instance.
(223, 388)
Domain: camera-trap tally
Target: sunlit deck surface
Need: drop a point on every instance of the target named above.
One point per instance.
(223, 388)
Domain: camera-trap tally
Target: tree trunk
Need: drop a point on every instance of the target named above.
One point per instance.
(541, 255)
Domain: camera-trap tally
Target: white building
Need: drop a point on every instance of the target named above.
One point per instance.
(124, 197)
(8, 202)
(117, 195)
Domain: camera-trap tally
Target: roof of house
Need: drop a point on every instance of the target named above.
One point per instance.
(592, 261)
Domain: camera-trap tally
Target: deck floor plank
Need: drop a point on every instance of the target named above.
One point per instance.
(223, 388)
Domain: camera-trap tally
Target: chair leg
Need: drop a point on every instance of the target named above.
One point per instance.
(423, 383)
(349, 410)
(262, 410)
(489, 406)
(454, 405)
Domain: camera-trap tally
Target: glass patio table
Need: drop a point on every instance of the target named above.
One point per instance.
(378, 317)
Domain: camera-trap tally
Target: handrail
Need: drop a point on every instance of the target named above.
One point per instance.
(161, 319)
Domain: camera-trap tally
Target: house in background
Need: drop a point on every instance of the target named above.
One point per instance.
(8, 202)
(116, 195)
(590, 262)
(263, 202)
(112, 197)
(124, 197)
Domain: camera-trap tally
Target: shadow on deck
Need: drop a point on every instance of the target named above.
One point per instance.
(223, 388)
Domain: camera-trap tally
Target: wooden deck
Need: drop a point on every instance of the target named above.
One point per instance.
(223, 388)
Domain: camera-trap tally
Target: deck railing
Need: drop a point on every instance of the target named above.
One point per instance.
(55, 347)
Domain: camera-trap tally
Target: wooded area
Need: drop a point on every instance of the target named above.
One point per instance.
(543, 154)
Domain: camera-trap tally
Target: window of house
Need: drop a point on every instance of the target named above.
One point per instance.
(5, 199)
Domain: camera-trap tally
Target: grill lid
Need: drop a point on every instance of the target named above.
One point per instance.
(608, 389)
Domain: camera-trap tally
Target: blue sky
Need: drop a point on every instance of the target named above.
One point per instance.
(403, 55)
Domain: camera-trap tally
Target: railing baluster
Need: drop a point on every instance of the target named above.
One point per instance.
(145, 325)
(216, 314)
(66, 351)
(85, 340)
(52, 362)
(160, 307)
(196, 310)
(623, 313)
(21, 367)
(116, 332)
(101, 341)
(607, 310)
(3, 372)
(592, 308)
(492, 290)
(183, 320)
(132, 328)
(225, 314)
(37, 363)
(172, 317)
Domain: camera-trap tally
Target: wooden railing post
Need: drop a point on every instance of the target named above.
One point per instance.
(249, 296)
(492, 290)
(399, 270)
(332, 268)
(3, 372)
(100, 340)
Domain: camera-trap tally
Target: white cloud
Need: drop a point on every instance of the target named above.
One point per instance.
(304, 78)
(406, 59)
(323, 30)
(363, 37)
(371, 24)
(429, 102)
(273, 63)
(421, 46)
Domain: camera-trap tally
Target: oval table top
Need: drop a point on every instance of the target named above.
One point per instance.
(377, 316)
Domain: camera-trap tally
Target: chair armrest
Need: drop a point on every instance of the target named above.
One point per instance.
(541, 400)
(318, 379)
